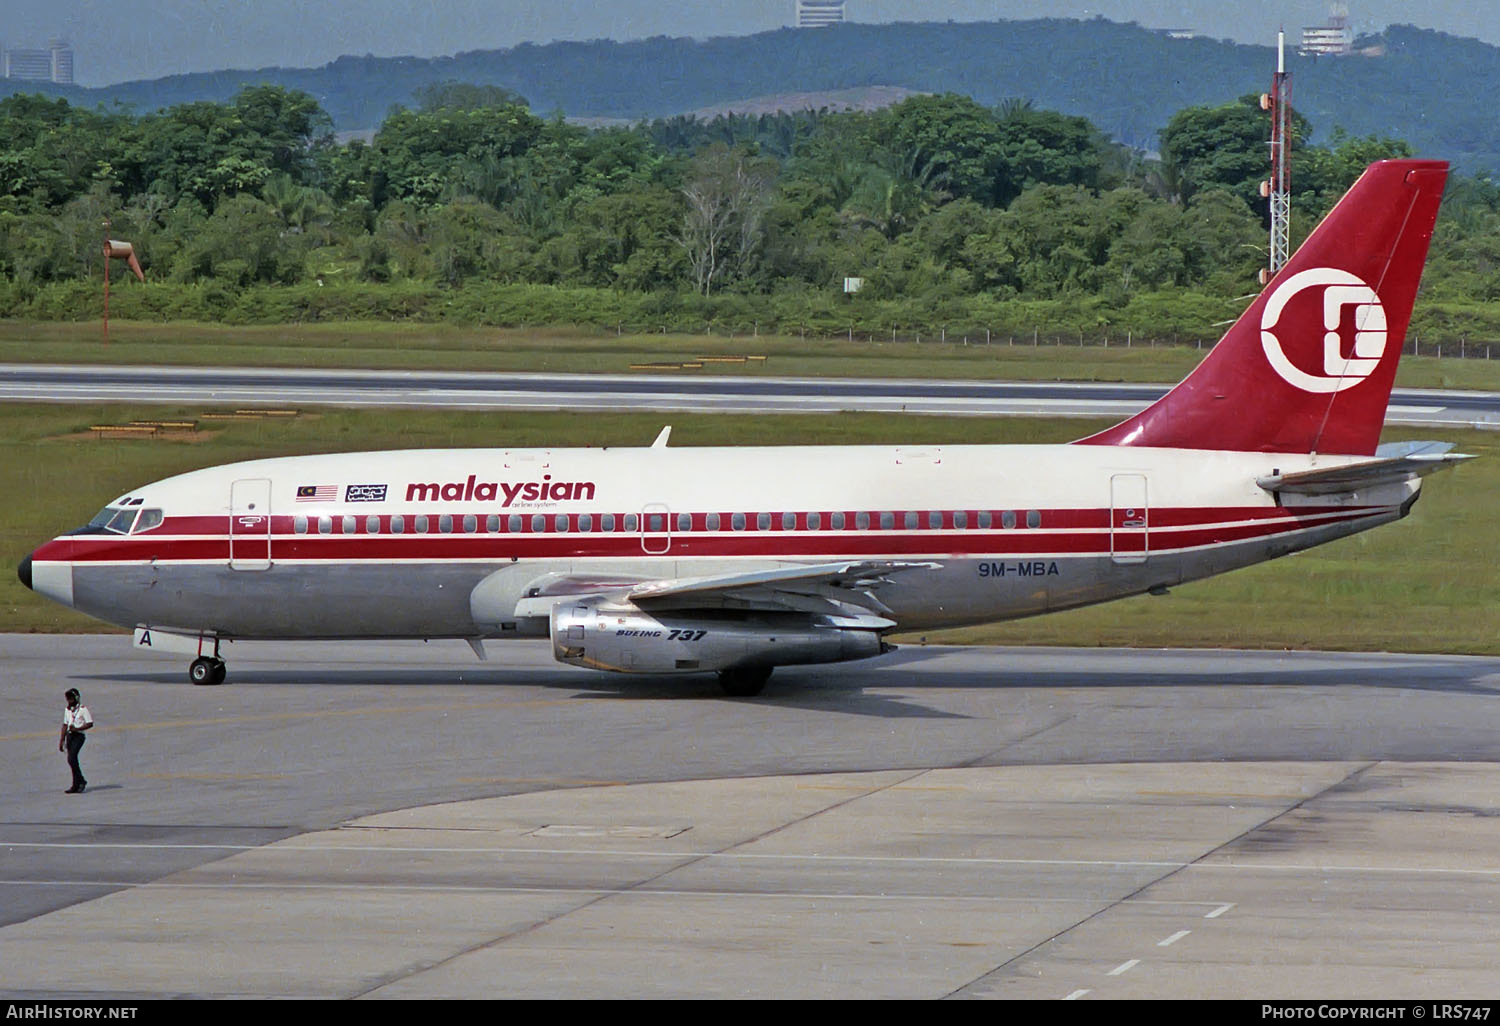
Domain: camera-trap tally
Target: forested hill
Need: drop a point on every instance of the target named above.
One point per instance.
(1431, 89)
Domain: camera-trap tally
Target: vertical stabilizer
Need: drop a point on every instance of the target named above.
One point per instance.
(1309, 366)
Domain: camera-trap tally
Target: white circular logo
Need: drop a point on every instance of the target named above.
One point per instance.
(1340, 289)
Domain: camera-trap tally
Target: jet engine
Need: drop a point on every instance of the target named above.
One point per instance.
(631, 640)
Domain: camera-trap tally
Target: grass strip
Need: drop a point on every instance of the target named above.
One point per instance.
(408, 346)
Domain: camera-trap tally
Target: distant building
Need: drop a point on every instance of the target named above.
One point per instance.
(1335, 39)
(54, 64)
(817, 13)
(1180, 33)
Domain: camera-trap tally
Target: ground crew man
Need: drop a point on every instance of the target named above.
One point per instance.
(76, 720)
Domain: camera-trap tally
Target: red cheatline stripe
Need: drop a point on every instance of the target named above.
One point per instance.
(749, 544)
(1053, 519)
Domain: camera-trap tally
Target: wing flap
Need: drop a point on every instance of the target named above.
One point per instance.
(861, 573)
(845, 590)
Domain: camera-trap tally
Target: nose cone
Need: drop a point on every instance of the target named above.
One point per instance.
(49, 571)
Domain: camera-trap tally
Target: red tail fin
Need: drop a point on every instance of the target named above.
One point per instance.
(1309, 366)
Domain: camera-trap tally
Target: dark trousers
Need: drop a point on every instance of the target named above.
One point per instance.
(75, 742)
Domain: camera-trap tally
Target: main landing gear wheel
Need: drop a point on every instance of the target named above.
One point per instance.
(744, 681)
(206, 671)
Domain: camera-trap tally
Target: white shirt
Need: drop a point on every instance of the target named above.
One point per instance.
(77, 718)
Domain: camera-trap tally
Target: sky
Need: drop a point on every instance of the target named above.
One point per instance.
(120, 40)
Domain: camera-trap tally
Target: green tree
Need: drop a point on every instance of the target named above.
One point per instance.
(242, 243)
(946, 141)
(419, 153)
(1224, 147)
(1043, 147)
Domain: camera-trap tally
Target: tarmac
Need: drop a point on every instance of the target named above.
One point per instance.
(986, 823)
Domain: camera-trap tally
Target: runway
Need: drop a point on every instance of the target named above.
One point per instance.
(467, 390)
(399, 820)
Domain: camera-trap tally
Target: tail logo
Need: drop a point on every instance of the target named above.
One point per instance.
(1340, 291)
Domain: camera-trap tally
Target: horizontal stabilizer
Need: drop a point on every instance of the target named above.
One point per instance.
(1392, 464)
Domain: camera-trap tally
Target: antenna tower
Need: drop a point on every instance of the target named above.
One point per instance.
(1279, 188)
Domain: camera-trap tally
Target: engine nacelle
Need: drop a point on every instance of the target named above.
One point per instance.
(631, 640)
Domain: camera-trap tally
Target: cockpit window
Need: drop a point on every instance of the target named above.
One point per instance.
(125, 521)
(121, 521)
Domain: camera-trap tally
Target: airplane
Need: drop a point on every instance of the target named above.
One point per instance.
(737, 560)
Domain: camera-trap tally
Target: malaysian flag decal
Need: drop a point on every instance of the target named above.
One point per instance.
(317, 493)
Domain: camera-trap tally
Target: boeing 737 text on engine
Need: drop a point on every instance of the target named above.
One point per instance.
(738, 560)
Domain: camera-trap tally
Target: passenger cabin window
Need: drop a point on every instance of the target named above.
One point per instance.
(299, 524)
(513, 524)
(1008, 520)
(737, 521)
(420, 524)
(471, 523)
(372, 525)
(887, 521)
(492, 524)
(325, 525)
(763, 522)
(911, 521)
(349, 526)
(837, 521)
(398, 524)
(935, 521)
(712, 522)
(815, 521)
(961, 519)
(607, 522)
(445, 523)
(585, 522)
(984, 520)
(862, 521)
(1033, 518)
(684, 521)
(538, 523)
(788, 521)
(632, 523)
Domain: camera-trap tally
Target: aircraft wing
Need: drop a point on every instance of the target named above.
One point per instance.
(1391, 464)
(846, 590)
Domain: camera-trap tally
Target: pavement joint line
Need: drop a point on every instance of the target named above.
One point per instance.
(780, 857)
(308, 714)
(600, 892)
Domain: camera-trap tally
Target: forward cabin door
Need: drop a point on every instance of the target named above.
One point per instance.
(1129, 541)
(250, 524)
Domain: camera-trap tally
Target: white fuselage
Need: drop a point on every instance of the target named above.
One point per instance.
(450, 543)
